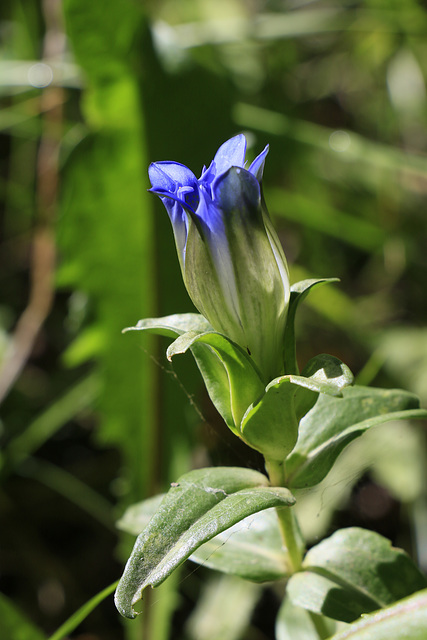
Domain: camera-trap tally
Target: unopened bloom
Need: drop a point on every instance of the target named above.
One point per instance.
(231, 259)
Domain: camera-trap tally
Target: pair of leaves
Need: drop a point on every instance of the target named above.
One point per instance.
(201, 505)
(265, 417)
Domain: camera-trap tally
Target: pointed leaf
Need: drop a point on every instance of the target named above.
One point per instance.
(202, 504)
(405, 620)
(172, 326)
(299, 291)
(334, 422)
(251, 549)
(230, 375)
(352, 573)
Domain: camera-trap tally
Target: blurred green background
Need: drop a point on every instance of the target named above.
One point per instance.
(93, 420)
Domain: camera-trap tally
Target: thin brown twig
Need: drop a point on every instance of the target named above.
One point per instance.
(43, 250)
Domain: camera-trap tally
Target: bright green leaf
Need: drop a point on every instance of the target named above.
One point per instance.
(334, 422)
(271, 424)
(202, 504)
(406, 620)
(352, 573)
(239, 383)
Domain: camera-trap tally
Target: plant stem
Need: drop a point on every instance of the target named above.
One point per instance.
(287, 522)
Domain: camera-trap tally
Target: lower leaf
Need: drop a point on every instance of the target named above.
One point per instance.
(202, 504)
(354, 572)
(405, 620)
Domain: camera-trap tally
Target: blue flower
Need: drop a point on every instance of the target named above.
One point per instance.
(231, 259)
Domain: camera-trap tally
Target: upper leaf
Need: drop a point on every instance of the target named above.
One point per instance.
(270, 425)
(174, 325)
(202, 504)
(230, 375)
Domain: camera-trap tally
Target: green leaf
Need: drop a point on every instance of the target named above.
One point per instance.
(334, 422)
(406, 620)
(202, 504)
(14, 625)
(251, 549)
(299, 291)
(271, 424)
(230, 375)
(295, 623)
(352, 573)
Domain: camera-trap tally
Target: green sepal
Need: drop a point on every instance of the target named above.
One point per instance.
(352, 573)
(334, 422)
(299, 292)
(271, 424)
(199, 506)
(230, 375)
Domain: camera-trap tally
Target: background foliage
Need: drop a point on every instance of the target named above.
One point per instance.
(93, 420)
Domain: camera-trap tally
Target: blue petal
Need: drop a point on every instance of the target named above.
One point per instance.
(165, 175)
(257, 166)
(230, 154)
(159, 179)
(176, 181)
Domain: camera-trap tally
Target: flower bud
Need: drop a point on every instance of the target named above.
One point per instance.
(231, 259)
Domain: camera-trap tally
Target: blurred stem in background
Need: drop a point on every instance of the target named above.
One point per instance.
(43, 249)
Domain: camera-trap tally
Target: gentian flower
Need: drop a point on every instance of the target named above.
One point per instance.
(231, 259)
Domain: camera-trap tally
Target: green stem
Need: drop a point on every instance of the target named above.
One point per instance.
(287, 522)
